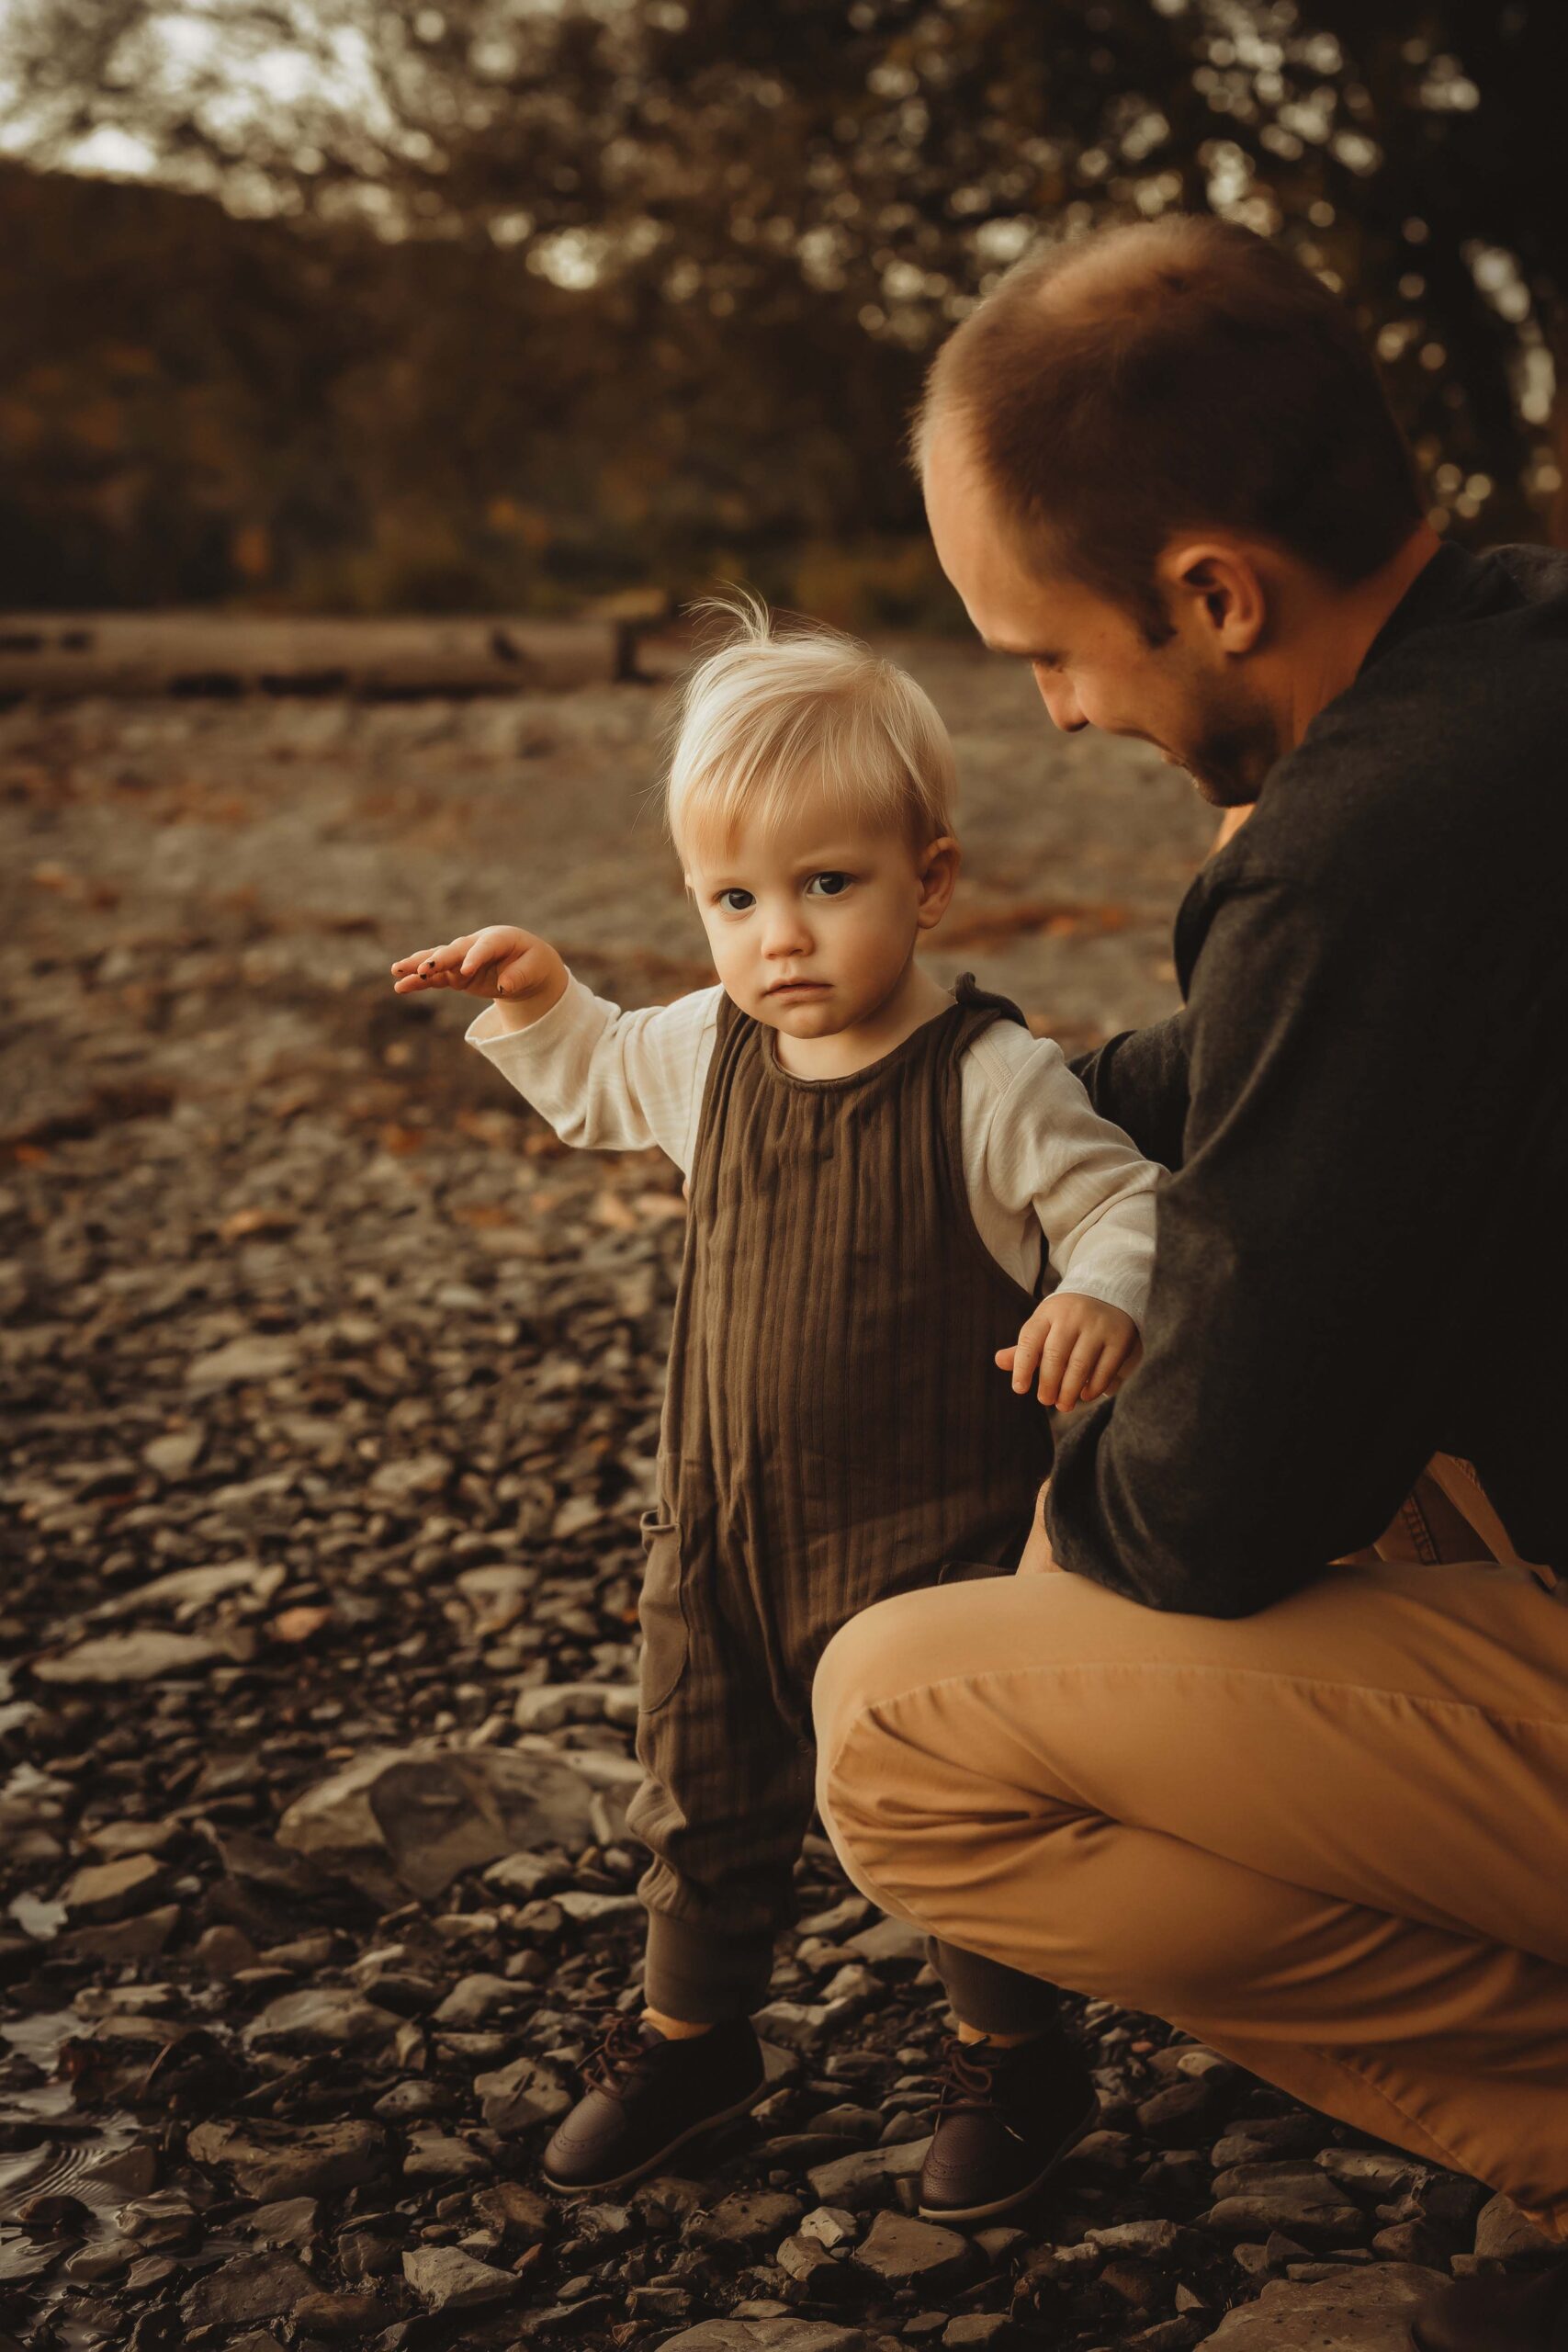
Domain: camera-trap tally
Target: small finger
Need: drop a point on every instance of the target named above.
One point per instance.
(1101, 1372)
(1081, 1363)
(1026, 1358)
(1052, 1364)
(442, 959)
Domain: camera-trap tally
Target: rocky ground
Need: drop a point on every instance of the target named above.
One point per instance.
(332, 1390)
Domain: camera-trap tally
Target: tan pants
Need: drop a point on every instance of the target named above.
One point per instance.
(1331, 1840)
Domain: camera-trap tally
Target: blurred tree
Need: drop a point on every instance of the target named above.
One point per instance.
(656, 277)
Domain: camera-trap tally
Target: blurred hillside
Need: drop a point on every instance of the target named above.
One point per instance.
(201, 407)
(468, 307)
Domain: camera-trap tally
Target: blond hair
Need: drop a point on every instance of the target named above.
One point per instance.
(771, 713)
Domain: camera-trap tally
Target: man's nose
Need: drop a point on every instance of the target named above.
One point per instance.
(1061, 702)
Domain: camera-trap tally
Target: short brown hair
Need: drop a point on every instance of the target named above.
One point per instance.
(1174, 374)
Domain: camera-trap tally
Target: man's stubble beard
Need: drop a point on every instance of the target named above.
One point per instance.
(1237, 748)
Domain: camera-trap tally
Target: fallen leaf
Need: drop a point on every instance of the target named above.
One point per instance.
(655, 1205)
(610, 1210)
(299, 1624)
(244, 1223)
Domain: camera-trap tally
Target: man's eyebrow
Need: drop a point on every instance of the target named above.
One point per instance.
(1022, 652)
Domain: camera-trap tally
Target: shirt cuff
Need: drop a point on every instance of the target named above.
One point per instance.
(572, 1010)
(1129, 1292)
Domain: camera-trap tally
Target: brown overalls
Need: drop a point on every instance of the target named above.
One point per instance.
(835, 1431)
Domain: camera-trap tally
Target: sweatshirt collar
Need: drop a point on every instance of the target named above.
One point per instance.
(1438, 591)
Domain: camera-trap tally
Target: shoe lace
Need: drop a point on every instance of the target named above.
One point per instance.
(620, 2053)
(967, 2080)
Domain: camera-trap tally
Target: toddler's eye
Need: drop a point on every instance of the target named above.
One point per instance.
(735, 903)
(829, 886)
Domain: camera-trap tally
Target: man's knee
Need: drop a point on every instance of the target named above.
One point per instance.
(869, 1657)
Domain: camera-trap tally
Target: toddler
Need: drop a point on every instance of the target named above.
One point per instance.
(882, 1178)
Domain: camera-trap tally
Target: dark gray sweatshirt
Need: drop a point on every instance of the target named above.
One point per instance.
(1362, 1255)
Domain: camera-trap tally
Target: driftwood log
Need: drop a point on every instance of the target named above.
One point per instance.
(60, 657)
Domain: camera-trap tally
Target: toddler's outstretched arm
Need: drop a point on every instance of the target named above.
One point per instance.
(604, 1079)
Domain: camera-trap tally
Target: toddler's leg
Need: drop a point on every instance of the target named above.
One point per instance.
(724, 1807)
(723, 1811)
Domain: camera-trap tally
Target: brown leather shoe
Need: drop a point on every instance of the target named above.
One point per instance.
(1006, 2119)
(1524, 2313)
(646, 2097)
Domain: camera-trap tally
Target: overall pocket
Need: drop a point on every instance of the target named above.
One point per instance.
(659, 1613)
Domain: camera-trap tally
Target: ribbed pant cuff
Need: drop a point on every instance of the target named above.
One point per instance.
(986, 1995)
(701, 1975)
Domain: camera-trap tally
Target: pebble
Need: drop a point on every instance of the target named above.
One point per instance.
(271, 2161)
(1365, 2312)
(1252, 2199)
(750, 2217)
(865, 2177)
(446, 2281)
(326, 2018)
(1502, 2232)
(527, 2091)
(905, 2252)
(250, 2287)
(112, 1659)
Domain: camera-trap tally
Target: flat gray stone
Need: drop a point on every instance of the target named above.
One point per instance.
(890, 1944)
(1502, 2231)
(252, 2286)
(288, 2221)
(274, 2161)
(1357, 2311)
(421, 1816)
(319, 2020)
(525, 2092)
(448, 2280)
(864, 2177)
(908, 2253)
(474, 2000)
(260, 1357)
(105, 1891)
(1252, 2201)
(116, 1658)
(750, 2217)
(1370, 2171)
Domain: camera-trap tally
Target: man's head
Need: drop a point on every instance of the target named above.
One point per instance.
(1156, 461)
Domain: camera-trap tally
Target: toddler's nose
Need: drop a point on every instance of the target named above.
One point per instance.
(785, 934)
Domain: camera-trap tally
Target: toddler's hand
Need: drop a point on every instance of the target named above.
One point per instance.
(507, 965)
(1081, 1349)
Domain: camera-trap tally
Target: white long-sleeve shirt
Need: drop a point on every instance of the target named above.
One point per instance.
(1045, 1172)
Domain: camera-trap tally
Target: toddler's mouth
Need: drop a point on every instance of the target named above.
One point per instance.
(792, 987)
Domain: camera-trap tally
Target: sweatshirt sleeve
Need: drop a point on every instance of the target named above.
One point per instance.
(606, 1079)
(1294, 1357)
(1139, 1082)
(1048, 1154)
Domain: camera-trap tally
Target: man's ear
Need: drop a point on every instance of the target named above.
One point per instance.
(938, 872)
(1219, 586)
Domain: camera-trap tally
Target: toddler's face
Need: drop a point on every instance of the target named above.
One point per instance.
(812, 925)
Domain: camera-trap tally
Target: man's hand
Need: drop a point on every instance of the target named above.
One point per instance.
(521, 974)
(1073, 1351)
